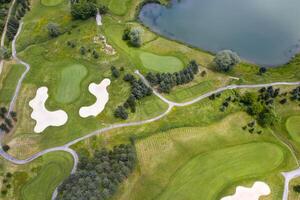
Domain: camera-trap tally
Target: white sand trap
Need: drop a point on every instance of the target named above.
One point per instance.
(100, 92)
(41, 115)
(243, 193)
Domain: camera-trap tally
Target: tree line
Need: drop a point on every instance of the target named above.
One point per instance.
(84, 9)
(98, 177)
(21, 7)
(166, 81)
(139, 90)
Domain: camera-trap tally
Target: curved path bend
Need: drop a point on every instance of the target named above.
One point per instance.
(66, 148)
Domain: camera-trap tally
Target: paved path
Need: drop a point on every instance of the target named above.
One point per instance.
(27, 66)
(66, 148)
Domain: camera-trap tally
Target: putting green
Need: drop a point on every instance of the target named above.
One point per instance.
(51, 2)
(161, 63)
(56, 167)
(293, 127)
(69, 84)
(206, 175)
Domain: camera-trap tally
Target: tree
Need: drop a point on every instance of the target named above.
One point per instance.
(133, 35)
(82, 50)
(266, 118)
(5, 147)
(115, 72)
(225, 60)
(262, 70)
(53, 29)
(83, 10)
(121, 112)
(296, 188)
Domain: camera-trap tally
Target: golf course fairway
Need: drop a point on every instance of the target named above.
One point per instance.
(206, 175)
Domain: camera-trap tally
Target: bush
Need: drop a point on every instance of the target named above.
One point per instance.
(53, 29)
(115, 72)
(225, 60)
(83, 10)
(133, 35)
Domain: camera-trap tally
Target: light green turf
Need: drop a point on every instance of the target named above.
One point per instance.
(51, 2)
(10, 82)
(69, 83)
(205, 176)
(56, 167)
(161, 63)
(293, 127)
(119, 7)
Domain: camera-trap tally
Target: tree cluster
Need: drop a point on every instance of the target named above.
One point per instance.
(7, 119)
(133, 36)
(166, 81)
(139, 90)
(98, 178)
(225, 60)
(83, 9)
(13, 23)
(295, 94)
(251, 127)
(54, 29)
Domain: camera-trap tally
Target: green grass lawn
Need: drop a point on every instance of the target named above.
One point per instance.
(206, 175)
(293, 127)
(51, 2)
(9, 83)
(69, 84)
(55, 168)
(119, 7)
(161, 63)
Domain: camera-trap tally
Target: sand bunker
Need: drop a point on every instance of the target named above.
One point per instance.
(100, 92)
(258, 189)
(41, 115)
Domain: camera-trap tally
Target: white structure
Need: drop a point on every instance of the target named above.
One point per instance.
(243, 193)
(98, 19)
(102, 96)
(41, 115)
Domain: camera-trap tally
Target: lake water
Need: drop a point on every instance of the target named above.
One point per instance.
(265, 32)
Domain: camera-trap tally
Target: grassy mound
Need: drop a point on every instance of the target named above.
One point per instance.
(57, 166)
(51, 2)
(119, 7)
(69, 83)
(161, 63)
(204, 176)
(293, 127)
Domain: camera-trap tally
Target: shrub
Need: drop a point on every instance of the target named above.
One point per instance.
(53, 29)
(225, 60)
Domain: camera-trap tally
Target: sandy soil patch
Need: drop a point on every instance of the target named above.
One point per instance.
(41, 115)
(102, 96)
(258, 189)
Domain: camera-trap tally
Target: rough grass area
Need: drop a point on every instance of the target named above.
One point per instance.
(207, 162)
(293, 127)
(160, 63)
(55, 168)
(51, 2)
(119, 7)
(9, 83)
(69, 84)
